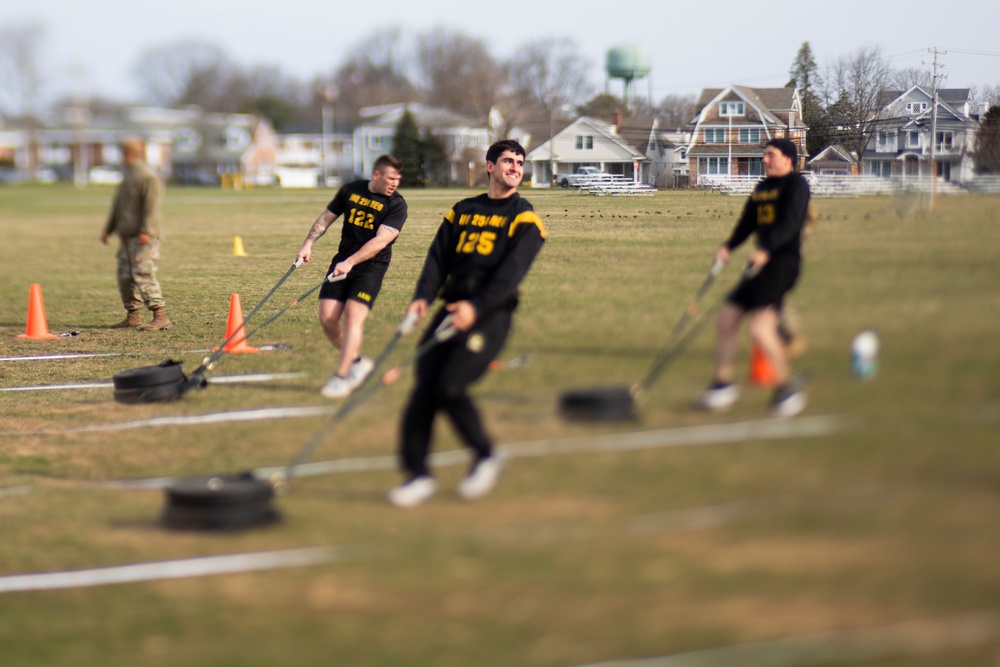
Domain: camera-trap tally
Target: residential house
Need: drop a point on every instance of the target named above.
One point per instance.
(834, 160)
(734, 123)
(464, 140)
(908, 132)
(587, 142)
(302, 151)
(186, 145)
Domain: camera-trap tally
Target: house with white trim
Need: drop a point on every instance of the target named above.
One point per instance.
(463, 139)
(902, 144)
(834, 160)
(733, 124)
(586, 142)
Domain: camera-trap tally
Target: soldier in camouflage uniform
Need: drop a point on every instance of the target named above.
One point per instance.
(135, 218)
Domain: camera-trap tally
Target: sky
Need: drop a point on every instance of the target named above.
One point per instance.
(91, 47)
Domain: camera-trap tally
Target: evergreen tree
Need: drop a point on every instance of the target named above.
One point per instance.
(407, 147)
(988, 143)
(805, 76)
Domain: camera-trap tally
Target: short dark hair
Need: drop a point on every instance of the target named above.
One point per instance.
(384, 161)
(497, 149)
(787, 148)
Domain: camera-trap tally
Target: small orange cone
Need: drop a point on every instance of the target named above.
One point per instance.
(38, 327)
(238, 250)
(761, 370)
(235, 322)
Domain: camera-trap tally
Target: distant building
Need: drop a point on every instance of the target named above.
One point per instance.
(186, 145)
(588, 142)
(902, 145)
(733, 124)
(463, 139)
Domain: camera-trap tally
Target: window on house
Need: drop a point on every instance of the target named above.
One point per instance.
(715, 136)
(913, 140)
(584, 142)
(944, 141)
(916, 107)
(713, 165)
(750, 135)
(731, 109)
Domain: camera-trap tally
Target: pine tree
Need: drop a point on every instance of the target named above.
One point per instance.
(408, 149)
(988, 143)
(805, 76)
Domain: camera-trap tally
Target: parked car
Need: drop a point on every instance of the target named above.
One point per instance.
(582, 176)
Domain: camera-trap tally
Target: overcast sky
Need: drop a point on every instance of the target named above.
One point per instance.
(91, 46)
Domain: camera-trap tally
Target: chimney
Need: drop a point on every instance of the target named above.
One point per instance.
(618, 120)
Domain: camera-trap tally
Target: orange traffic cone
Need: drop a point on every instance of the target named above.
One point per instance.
(761, 370)
(235, 322)
(38, 327)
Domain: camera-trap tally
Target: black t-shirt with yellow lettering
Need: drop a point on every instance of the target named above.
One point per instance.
(776, 212)
(481, 252)
(364, 211)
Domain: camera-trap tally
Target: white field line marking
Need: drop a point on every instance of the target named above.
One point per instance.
(266, 347)
(840, 646)
(176, 569)
(711, 434)
(222, 379)
(68, 355)
(257, 414)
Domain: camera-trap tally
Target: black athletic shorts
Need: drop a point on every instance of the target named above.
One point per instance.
(361, 284)
(769, 287)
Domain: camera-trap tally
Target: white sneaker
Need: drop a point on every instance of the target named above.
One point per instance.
(789, 400)
(719, 397)
(481, 479)
(359, 371)
(336, 387)
(416, 491)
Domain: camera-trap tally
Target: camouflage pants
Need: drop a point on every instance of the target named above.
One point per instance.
(137, 283)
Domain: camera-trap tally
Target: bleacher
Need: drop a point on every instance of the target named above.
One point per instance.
(605, 185)
(834, 185)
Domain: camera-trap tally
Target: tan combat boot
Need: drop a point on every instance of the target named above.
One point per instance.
(132, 321)
(160, 321)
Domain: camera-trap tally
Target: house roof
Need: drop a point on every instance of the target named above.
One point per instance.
(426, 117)
(608, 146)
(834, 153)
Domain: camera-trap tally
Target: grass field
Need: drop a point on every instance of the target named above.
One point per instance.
(884, 532)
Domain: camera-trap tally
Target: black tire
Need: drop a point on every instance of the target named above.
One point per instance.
(597, 404)
(149, 376)
(219, 491)
(220, 518)
(157, 394)
(564, 183)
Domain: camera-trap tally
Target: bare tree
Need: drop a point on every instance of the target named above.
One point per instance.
(550, 73)
(676, 111)
(20, 70)
(904, 79)
(858, 85)
(187, 72)
(374, 73)
(458, 73)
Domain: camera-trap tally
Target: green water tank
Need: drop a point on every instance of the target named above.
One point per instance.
(627, 62)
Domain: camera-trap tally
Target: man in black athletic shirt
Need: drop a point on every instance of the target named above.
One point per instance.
(775, 213)
(481, 252)
(374, 214)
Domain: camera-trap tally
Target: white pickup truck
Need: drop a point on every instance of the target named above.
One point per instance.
(582, 176)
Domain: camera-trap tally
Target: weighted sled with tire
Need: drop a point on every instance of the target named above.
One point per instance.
(237, 501)
(149, 384)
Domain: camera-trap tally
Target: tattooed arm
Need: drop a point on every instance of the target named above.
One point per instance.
(317, 230)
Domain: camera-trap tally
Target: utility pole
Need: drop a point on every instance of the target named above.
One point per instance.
(934, 110)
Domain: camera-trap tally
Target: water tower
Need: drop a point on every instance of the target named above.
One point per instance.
(628, 63)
